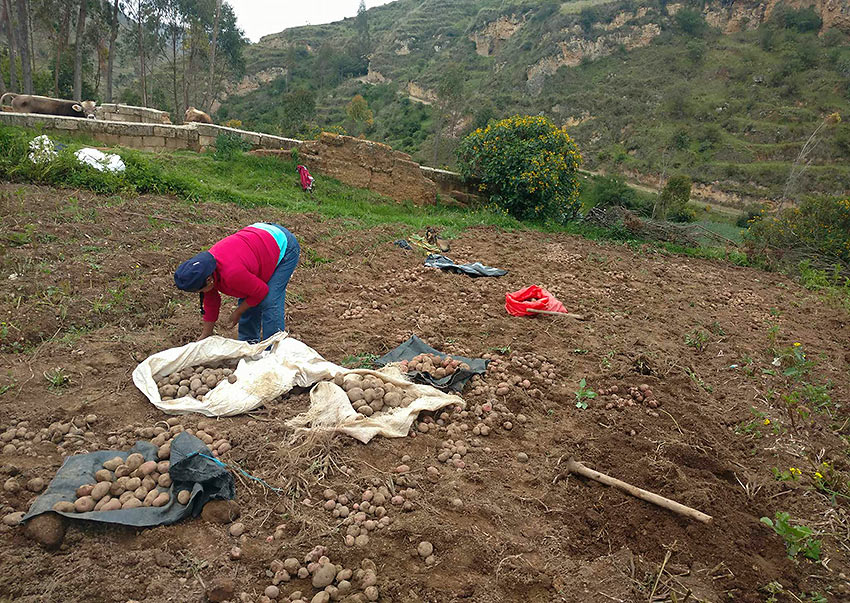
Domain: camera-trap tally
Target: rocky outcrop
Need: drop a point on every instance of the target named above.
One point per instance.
(253, 82)
(374, 77)
(576, 48)
(738, 16)
(421, 95)
(490, 39)
(368, 164)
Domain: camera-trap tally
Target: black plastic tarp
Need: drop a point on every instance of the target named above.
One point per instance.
(475, 270)
(415, 346)
(205, 478)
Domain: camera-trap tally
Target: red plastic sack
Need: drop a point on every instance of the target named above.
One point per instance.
(535, 298)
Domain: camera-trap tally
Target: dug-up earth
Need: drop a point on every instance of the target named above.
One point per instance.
(86, 292)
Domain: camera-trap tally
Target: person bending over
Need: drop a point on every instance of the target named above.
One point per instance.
(254, 265)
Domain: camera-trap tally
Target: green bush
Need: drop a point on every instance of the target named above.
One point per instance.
(752, 213)
(819, 227)
(527, 165)
(673, 200)
(228, 145)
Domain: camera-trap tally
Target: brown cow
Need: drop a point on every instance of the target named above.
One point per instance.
(29, 103)
(197, 115)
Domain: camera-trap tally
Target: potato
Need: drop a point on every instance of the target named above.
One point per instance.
(202, 391)
(195, 384)
(148, 467)
(183, 496)
(164, 481)
(149, 483)
(112, 505)
(113, 464)
(101, 490)
(104, 475)
(211, 381)
(160, 439)
(140, 493)
(132, 483)
(183, 391)
(366, 410)
(225, 447)
(126, 496)
(99, 505)
(377, 405)
(392, 399)
(84, 490)
(84, 504)
(131, 503)
(355, 394)
(122, 471)
(150, 498)
(115, 489)
(164, 452)
(161, 500)
(134, 461)
(231, 378)
(174, 379)
(63, 506)
(338, 380)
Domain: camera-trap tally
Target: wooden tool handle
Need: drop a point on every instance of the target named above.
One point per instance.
(550, 313)
(574, 466)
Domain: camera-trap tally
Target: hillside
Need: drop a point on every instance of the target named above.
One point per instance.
(726, 92)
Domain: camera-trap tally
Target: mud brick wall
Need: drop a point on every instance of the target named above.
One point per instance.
(452, 185)
(142, 115)
(370, 165)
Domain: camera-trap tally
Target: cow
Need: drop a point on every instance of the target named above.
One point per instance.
(29, 103)
(196, 115)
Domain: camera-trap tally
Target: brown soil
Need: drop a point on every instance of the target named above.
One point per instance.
(86, 285)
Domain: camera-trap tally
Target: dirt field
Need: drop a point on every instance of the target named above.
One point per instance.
(87, 287)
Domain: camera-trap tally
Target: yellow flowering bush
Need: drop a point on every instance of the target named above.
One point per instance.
(527, 164)
(817, 226)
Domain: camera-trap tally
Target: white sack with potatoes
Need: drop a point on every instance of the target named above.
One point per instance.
(273, 367)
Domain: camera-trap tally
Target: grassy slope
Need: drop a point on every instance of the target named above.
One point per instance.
(734, 109)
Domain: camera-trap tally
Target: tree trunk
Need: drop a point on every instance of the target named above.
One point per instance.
(174, 69)
(23, 44)
(78, 51)
(438, 135)
(13, 48)
(142, 55)
(110, 61)
(60, 45)
(210, 97)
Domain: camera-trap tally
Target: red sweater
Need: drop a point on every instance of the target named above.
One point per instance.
(245, 263)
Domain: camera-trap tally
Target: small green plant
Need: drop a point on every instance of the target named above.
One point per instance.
(583, 394)
(796, 364)
(798, 539)
(831, 482)
(228, 146)
(697, 339)
(57, 378)
(356, 361)
(786, 475)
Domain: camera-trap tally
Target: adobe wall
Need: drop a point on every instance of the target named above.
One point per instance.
(143, 136)
(143, 115)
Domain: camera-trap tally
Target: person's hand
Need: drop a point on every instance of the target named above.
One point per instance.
(234, 318)
(207, 330)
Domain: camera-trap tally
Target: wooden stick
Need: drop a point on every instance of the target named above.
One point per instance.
(550, 313)
(574, 466)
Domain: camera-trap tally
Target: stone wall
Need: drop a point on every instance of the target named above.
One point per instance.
(143, 136)
(143, 115)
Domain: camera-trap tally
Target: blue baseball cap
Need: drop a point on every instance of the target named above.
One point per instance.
(192, 274)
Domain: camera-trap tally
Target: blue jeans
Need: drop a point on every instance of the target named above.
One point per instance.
(270, 313)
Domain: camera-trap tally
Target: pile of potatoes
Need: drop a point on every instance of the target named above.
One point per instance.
(632, 397)
(194, 381)
(332, 582)
(125, 484)
(436, 366)
(369, 394)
